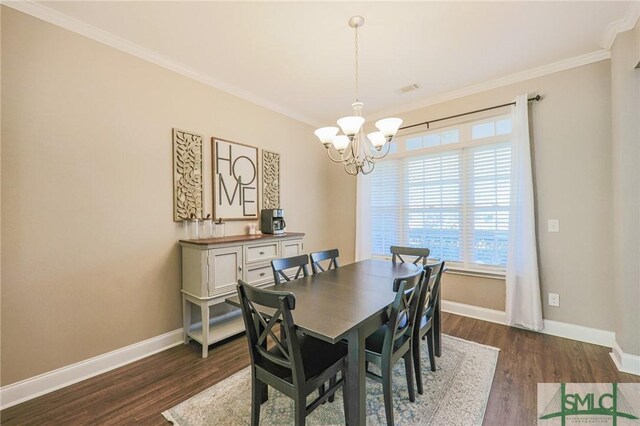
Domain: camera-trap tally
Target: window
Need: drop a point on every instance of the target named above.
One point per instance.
(448, 190)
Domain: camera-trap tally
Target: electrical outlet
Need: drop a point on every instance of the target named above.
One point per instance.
(554, 299)
(554, 225)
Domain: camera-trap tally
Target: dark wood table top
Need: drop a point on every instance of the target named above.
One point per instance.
(331, 303)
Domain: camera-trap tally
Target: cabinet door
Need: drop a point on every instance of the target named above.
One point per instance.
(291, 248)
(225, 269)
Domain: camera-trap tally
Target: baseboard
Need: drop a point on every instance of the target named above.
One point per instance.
(625, 363)
(472, 311)
(553, 328)
(33, 387)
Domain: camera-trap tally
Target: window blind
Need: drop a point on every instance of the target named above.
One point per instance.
(456, 203)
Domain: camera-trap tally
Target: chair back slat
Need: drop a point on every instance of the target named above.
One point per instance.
(431, 289)
(280, 265)
(318, 257)
(402, 317)
(260, 327)
(421, 254)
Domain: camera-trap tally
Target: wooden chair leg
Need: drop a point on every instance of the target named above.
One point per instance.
(332, 383)
(386, 390)
(300, 410)
(430, 347)
(256, 400)
(408, 368)
(417, 364)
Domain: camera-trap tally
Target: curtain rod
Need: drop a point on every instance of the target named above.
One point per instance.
(535, 98)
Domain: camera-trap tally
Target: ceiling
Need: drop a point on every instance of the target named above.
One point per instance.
(297, 57)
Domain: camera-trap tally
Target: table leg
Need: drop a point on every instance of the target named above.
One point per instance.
(186, 319)
(204, 310)
(355, 387)
(437, 332)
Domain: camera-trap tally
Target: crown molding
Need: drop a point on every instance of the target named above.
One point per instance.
(625, 24)
(566, 64)
(45, 13)
(54, 17)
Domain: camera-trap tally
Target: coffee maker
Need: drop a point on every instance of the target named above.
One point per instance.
(272, 221)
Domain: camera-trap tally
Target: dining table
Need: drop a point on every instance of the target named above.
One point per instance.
(347, 304)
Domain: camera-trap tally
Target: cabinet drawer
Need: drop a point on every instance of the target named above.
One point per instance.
(255, 275)
(262, 252)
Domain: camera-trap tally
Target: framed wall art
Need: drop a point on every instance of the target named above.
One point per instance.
(270, 180)
(187, 175)
(235, 180)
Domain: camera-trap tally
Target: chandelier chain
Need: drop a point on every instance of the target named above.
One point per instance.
(357, 82)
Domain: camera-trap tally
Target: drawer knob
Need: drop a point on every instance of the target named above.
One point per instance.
(262, 274)
(261, 252)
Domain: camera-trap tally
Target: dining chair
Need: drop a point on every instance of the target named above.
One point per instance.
(393, 340)
(421, 254)
(424, 320)
(297, 365)
(278, 266)
(320, 256)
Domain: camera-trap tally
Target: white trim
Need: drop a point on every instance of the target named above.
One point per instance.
(33, 387)
(625, 24)
(625, 363)
(553, 328)
(472, 311)
(54, 17)
(579, 332)
(577, 61)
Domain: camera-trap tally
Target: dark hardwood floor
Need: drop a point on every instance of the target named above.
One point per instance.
(139, 392)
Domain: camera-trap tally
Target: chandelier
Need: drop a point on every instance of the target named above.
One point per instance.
(356, 153)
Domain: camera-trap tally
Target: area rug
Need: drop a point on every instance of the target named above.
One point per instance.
(456, 394)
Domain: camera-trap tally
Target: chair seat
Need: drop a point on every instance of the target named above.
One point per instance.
(375, 341)
(317, 356)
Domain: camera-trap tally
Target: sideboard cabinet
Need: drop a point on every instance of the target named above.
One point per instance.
(211, 269)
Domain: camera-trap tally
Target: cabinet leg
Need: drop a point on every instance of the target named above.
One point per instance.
(204, 310)
(186, 319)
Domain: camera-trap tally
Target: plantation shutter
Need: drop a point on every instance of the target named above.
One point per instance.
(385, 206)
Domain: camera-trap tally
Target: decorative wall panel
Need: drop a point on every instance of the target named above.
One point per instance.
(187, 175)
(270, 180)
(235, 180)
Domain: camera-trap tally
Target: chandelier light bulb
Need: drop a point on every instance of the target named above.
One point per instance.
(341, 142)
(351, 125)
(377, 139)
(326, 135)
(389, 127)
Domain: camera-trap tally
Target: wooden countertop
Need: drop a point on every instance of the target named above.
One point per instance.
(242, 238)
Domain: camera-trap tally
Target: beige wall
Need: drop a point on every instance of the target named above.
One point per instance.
(89, 255)
(625, 93)
(571, 132)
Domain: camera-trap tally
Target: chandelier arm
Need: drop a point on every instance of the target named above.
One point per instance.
(349, 170)
(341, 160)
(375, 157)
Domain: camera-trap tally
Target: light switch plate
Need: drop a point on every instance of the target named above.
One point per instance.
(554, 299)
(554, 225)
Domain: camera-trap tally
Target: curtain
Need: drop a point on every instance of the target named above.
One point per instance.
(523, 305)
(363, 217)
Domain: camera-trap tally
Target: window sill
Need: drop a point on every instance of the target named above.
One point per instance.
(480, 274)
(454, 270)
